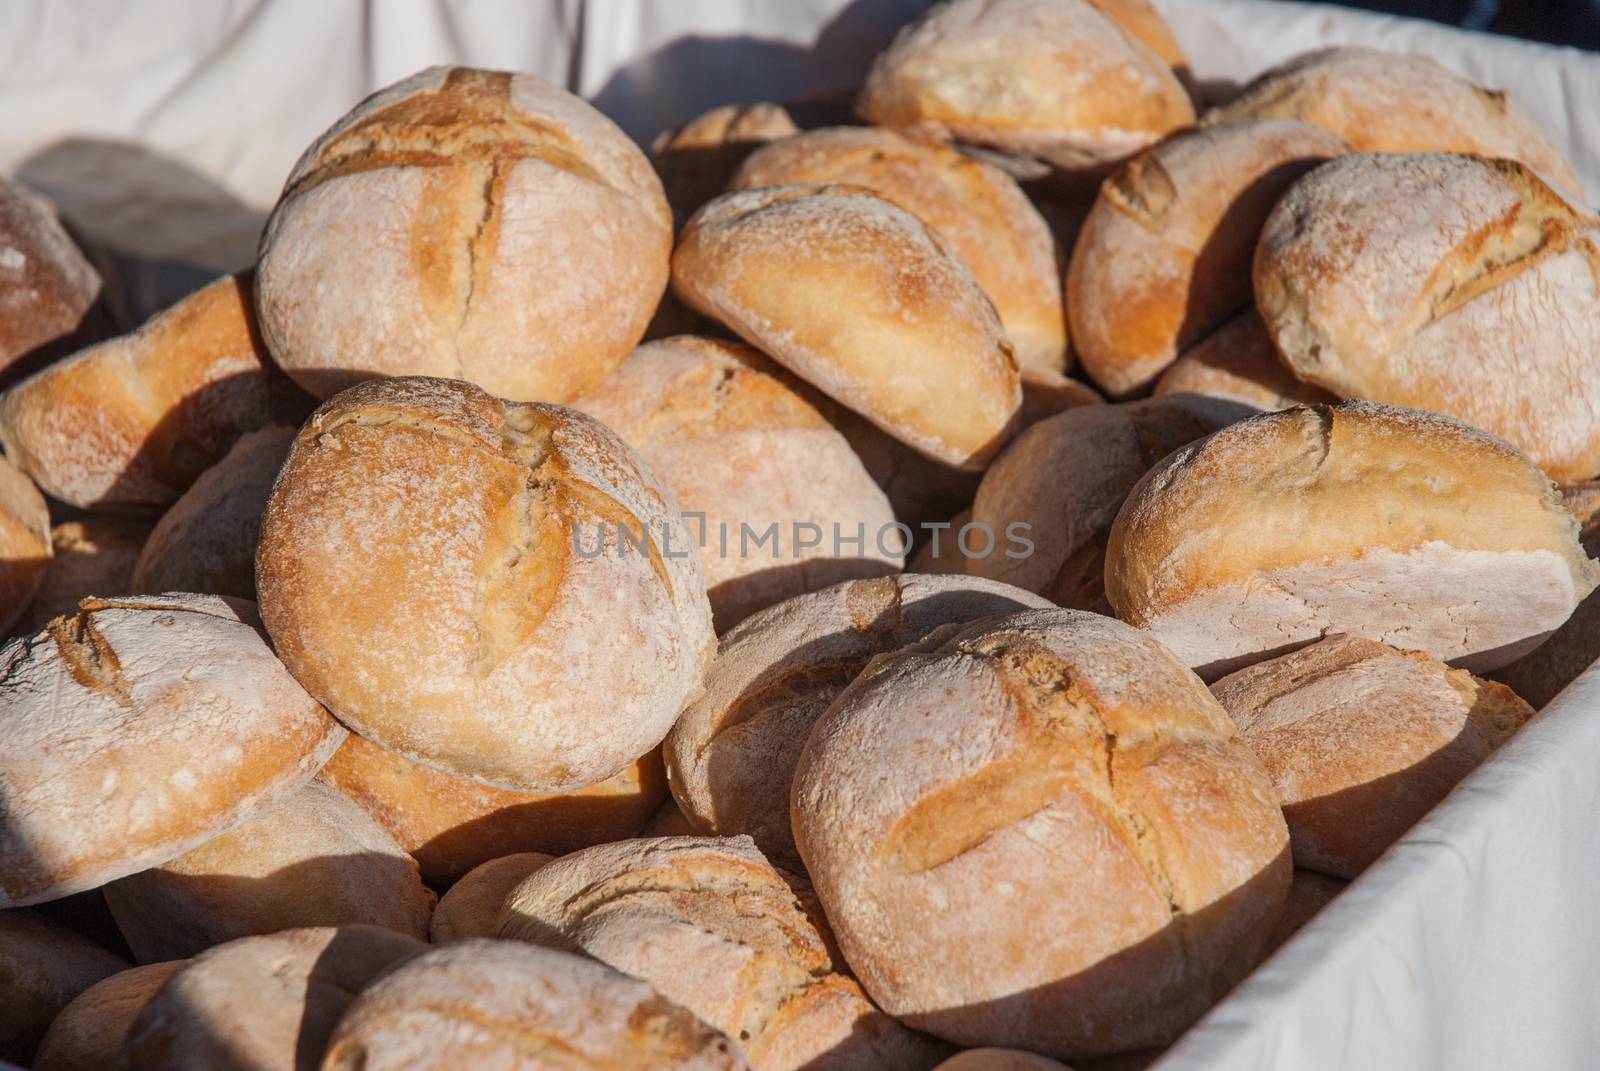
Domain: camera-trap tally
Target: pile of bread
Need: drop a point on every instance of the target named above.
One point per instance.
(361, 577)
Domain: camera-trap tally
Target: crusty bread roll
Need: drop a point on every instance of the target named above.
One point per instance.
(1386, 102)
(974, 206)
(25, 543)
(502, 1004)
(1065, 478)
(46, 286)
(316, 859)
(1164, 256)
(1361, 740)
(266, 1003)
(1143, 22)
(1040, 831)
(732, 754)
(91, 556)
(451, 824)
(1450, 283)
(129, 424)
(1054, 79)
(1044, 394)
(43, 966)
(207, 541)
(745, 450)
(713, 926)
(1309, 893)
(89, 1032)
(475, 224)
(698, 159)
(138, 729)
(864, 301)
(447, 572)
(990, 1059)
(471, 907)
(1238, 362)
(1393, 524)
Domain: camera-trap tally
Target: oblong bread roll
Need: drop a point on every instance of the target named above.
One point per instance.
(89, 1032)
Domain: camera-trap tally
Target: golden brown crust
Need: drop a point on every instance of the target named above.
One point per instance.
(1238, 362)
(25, 543)
(90, 1031)
(697, 160)
(43, 966)
(1144, 24)
(46, 285)
(471, 907)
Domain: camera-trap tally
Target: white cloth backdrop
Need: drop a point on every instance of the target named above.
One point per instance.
(165, 128)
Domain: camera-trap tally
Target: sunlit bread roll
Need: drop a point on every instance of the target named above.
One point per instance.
(1164, 256)
(91, 556)
(475, 224)
(697, 160)
(865, 302)
(732, 754)
(129, 424)
(25, 544)
(471, 907)
(745, 449)
(47, 287)
(89, 1032)
(974, 206)
(1361, 740)
(138, 729)
(1395, 525)
(1042, 832)
(1143, 22)
(1054, 79)
(451, 824)
(1386, 102)
(43, 967)
(1239, 363)
(446, 571)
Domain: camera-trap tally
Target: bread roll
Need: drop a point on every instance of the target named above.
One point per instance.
(1143, 22)
(669, 821)
(1239, 363)
(1449, 283)
(445, 570)
(129, 424)
(207, 540)
(91, 556)
(471, 907)
(475, 224)
(1309, 893)
(1361, 740)
(316, 859)
(713, 926)
(732, 754)
(1044, 394)
(500, 1004)
(138, 729)
(1164, 256)
(843, 287)
(1385, 102)
(974, 206)
(918, 488)
(47, 288)
(1055, 79)
(450, 824)
(999, 1060)
(1066, 477)
(265, 1003)
(25, 544)
(43, 966)
(1041, 832)
(941, 554)
(1392, 524)
(89, 1032)
(697, 160)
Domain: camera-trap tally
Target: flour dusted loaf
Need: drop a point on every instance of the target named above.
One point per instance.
(89, 1032)
(43, 967)
(1238, 362)
(1451, 283)
(1041, 832)
(1055, 79)
(1361, 740)
(446, 571)
(47, 287)
(25, 543)
(91, 556)
(865, 302)
(745, 450)
(1395, 525)
(136, 730)
(697, 160)
(732, 754)
(475, 224)
(471, 907)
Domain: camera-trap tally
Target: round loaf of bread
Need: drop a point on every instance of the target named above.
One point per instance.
(471, 907)
(1054, 79)
(669, 821)
(747, 453)
(480, 585)
(451, 824)
(698, 159)
(1164, 257)
(732, 754)
(475, 224)
(862, 300)
(1239, 363)
(1309, 893)
(974, 206)
(989, 1059)
(1397, 525)
(1450, 283)
(1065, 478)
(1386, 102)
(129, 424)
(316, 859)
(43, 967)
(92, 556)
(710, 924)
(138, 729)
(1044, 394)
(265, 1003)
(89, 1032)
(47, 287)
(1040, 831)
(25, 543)
(1361, 740)
(207, 541)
